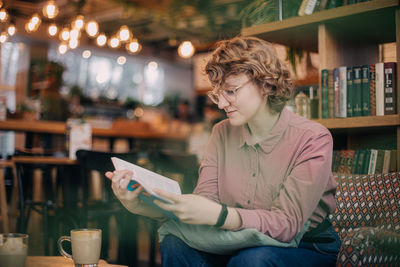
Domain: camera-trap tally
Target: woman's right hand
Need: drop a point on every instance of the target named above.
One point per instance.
(120, 181)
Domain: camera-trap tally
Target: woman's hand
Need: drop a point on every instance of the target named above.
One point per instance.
(120, 181)
(189, 208)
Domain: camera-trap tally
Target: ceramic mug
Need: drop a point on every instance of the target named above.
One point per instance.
(13, 250)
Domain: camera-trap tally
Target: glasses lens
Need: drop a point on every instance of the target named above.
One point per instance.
(214, 97)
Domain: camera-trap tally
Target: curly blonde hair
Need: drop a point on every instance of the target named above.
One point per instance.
(257, 59)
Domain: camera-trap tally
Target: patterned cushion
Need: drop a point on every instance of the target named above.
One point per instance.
(367, 200)
(367, 219)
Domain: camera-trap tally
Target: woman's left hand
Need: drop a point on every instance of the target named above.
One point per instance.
(189, 208)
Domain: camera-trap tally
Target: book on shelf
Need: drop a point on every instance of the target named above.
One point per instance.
(342, 92)
(365, 91)
(389, 69)
(148, 180)
(372, 106)
(349, 81)
(379, 89)
(336, 86)
(307, 7)
(331, 95)
(364, 161)
(324, 94)
(356, 97)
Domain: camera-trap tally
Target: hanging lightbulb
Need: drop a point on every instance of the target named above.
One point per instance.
(86, 54)
(62, 48)
(124, 33)
(52, 29)
(92, 28)
(101, 39)
(114, 42)
(3, 15)
(11, 29)
(3, 37)
(36, 19)
(74, 34)
(78, 22)
(50, 10)
(64, 34)
(30, 26)
(186, 49)
(73, 43)
(133, 46)
(121, 60)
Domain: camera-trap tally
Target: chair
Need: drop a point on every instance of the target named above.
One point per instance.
(179, 166)
(30, 169)
(367, 219)
(4, 218)
(99, 211)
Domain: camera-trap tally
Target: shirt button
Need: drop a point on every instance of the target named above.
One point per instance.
(254, 174)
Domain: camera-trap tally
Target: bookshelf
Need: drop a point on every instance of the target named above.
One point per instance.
(345, 36)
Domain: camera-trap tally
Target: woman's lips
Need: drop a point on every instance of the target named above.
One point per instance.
(229, 113)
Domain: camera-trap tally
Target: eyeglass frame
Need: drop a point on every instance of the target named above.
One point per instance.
(215, 94)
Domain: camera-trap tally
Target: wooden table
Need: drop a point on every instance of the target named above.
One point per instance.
(58, 261)
(122, 129)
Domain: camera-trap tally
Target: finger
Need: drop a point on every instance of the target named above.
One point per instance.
(109, 175)
(164, 206)
(118, 175)
(167, 195)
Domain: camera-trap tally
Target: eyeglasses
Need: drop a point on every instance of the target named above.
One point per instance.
(229, 94)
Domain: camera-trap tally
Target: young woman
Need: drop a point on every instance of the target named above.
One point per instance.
(264, 168)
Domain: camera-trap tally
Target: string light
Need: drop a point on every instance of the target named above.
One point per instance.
(52, 29)
(11, 29)
(3, 37)
(114, 42)
(64, 34)
(124, 33)
(86, 54)
(62, 48)
(78, 23)
(3, 15)
(186, 49)
(133, 46)
(50, 10)
(73, 43)
(101, 39)
(92, 28)
(121, 60)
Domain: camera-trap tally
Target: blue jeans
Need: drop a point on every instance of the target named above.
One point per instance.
(174, 252)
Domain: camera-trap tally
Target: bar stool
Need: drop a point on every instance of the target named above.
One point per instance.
(48, 168)
(4, 217)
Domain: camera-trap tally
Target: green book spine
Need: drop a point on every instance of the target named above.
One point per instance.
(360, 162)
(365, 166)
(357, 92)
(379, 161)
(354, 167)
(349, 96)
(324, 94)
(365, 90)
(331, 95)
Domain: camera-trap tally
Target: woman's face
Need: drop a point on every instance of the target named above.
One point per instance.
(247, 102)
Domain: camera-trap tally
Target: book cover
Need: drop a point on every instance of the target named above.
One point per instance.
(386, 161)
(357, 92)
(349, 92)
(148, 180)
(360, 162)
(342, 161)
(372, 161)
(379, 161)
(331, 95)
(324, 94)
(342, 92)
(372, 106)
(390, 88)
(354, 167)
(379, 89)
(393, 161)
(365, 91)
(365, 165)
(349, 161)
(336, 86)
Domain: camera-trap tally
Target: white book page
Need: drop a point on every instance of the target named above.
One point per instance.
(146, 178)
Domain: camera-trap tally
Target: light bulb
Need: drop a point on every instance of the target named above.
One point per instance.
(121, 60)
(124, 33)
(73, 43)
(52, 30)
(3, 15)
(92, 28)
(186, 49)
(101, 39)
(86, 54)
(133, 46)
(36, 19)
(64, 34)
(11, 29)
(74, 34)
(62, 48)
(50, 10)
(3, 37)
(114, 42)
(78, 22)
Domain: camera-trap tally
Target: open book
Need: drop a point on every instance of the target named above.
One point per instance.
(148, 180)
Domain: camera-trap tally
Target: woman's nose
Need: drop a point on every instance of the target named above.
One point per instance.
(223, 103)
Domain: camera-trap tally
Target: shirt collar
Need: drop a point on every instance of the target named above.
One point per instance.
(269, 142)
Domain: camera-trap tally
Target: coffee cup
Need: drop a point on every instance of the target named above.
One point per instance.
(13, 249)
(85, 244)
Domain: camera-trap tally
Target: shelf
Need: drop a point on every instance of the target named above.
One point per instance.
(360, 122)
(372, 21)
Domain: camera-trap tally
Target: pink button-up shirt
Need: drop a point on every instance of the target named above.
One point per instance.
(277, 184)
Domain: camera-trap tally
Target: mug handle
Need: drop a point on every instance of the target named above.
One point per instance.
(60, 248)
